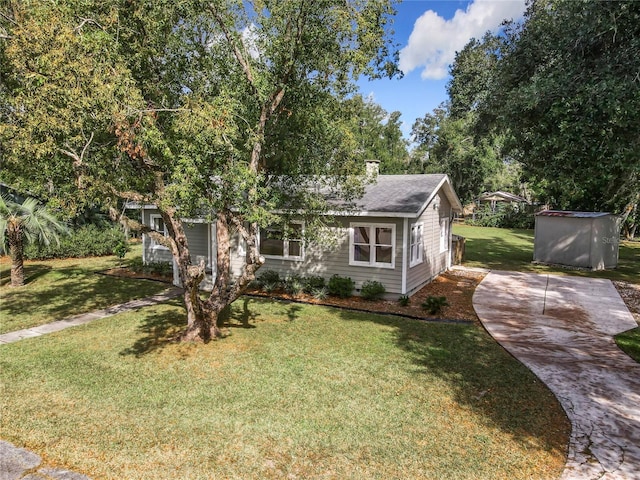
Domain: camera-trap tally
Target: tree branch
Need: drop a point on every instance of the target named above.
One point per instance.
(242, 60)
(85, 21)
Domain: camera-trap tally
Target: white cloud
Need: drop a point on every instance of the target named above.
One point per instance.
(434, 41)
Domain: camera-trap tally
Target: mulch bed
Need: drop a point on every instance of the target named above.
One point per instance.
(630, 293)
(456, 286)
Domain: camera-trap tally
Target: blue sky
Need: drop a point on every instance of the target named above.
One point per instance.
(429, 33)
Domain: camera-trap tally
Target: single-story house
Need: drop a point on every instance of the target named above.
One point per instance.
(399, 234)
(577, 239)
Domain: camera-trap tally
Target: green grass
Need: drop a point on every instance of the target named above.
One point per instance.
(629, 342)
(294, 392)
(57, 289)
(508, 249)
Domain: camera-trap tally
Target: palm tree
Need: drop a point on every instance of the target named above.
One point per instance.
(25, 223)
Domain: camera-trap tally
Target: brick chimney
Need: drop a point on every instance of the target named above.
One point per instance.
(373, 167)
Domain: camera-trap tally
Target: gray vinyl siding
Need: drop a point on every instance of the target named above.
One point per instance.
(198, 239)
(433, 262)
(197, 236)
(325, 262)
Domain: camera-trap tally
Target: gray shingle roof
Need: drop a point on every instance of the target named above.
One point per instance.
(400, 194)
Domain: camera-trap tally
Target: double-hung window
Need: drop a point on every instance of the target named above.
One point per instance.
(444, 235)
(158, 225)
(372, 245)
(417, 245)
(279, 242)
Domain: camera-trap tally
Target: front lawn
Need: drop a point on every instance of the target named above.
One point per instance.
(57, 289)
(509, 249)
(629, 342)
(296, 391)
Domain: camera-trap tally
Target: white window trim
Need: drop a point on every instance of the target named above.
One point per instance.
(285, 248)
(372, 262)
(444, 239)
(154, 245)
(417, 261)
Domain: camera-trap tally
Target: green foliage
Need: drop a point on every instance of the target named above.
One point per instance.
(269, 287)
(404, 300)
(629, 342)
(121, 249)
(449, 144)
(294, 285)
(26, 223)
(86, 241)
(378, 134)
(269, 276)
(164, 269)
(107, 101)
(372, 290)
(320, 293)
(434, 305)
(504, 216)
(312, 283)
(341, 286)
(566, 93)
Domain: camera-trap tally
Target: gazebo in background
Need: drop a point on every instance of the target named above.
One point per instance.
(493, 199)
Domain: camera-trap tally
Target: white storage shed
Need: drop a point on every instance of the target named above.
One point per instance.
(577, 239)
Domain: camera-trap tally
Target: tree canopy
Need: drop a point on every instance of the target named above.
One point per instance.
(378, 134)
(217, 108)
(567, 91)
(555, 99)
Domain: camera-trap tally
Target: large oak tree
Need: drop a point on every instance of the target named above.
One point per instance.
(567, 91)
(224, 109)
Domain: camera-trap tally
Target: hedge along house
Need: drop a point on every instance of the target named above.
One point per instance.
(577, 239)
(398, 233)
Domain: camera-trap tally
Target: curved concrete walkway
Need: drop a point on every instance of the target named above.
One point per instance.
(562, 328)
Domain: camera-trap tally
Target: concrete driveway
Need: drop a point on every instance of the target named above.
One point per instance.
(562, 329)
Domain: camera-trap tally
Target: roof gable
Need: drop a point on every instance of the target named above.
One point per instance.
(402, 195)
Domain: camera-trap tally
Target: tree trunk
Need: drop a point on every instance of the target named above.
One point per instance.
(16, 251)
(201, 320)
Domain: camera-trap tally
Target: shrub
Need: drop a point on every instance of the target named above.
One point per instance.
(269, 276)
(372, 290)
(341, 286)
(434, 305)
(320, 293)
(294, 285)
(85, 241)
(156, 268)
(505, 216)
(121, 249)
(313, 283)
(403, 300)
(269, 287)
